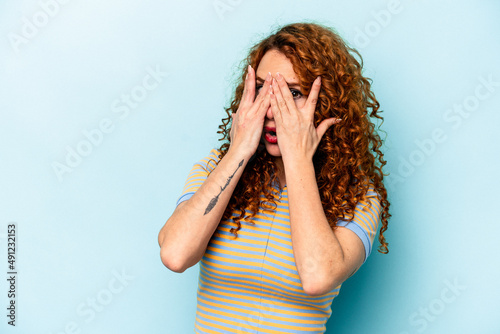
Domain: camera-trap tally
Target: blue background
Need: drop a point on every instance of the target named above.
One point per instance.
(79, 230)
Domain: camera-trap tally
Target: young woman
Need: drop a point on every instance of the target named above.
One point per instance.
(288, 207)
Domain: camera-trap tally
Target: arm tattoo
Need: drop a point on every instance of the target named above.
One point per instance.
(214, 200)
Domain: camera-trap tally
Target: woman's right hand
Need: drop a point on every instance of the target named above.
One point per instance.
(186, 234)
(248, 121)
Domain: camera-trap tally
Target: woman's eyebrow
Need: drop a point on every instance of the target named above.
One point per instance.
(290, 84)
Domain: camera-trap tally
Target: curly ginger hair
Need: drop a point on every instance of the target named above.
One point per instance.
(348, 152)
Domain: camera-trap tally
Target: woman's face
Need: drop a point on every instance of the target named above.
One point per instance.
(274, 61)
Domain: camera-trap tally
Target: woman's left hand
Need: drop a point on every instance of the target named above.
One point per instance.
(297, 136)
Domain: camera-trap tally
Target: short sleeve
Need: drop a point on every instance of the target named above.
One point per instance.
(198, 175)
(365, 220)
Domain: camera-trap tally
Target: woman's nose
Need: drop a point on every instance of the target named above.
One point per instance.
(269, 113)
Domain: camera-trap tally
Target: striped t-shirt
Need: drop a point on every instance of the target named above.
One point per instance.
(250, 284)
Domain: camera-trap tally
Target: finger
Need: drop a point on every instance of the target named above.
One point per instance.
(249, 88)
(275, 108)
(325, 124)
(286, 95)
(233, 116)
(280, 101)
(312, 99)
(263, 92)
(264, 106)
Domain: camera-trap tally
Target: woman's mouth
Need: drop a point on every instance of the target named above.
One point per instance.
(270, 135)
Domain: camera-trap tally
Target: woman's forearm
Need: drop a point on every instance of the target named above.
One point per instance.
(185, 236)
(319, 256)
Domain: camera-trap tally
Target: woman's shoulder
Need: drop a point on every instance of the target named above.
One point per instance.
(366, 188)
(211, 160)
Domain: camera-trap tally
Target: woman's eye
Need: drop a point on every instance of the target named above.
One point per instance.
(296, 94)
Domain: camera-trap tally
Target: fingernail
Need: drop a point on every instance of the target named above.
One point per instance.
(246, 76)
(338, 119)
(268, 77)
(319, 78)
(279, 76)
